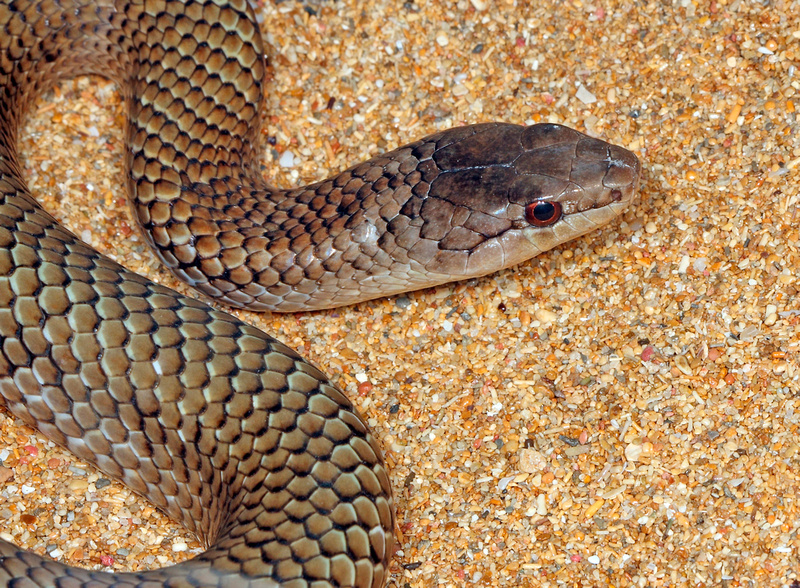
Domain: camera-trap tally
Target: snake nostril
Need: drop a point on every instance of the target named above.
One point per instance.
(616, 195)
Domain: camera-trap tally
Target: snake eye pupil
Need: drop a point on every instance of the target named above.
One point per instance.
(542, 213)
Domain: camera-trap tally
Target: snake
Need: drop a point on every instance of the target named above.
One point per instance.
(217, 424)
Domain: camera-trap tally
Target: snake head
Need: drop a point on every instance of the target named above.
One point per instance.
(504, 193)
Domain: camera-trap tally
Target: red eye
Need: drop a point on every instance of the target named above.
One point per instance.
(542, 213)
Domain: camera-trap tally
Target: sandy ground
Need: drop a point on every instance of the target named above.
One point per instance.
(620, 411)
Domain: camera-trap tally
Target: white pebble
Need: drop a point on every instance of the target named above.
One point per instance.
(504, 482)
(770, 315)
(541, 505)
(287, 159)
(585, 95)
(593, 559)
(545, 316)
(633, 451)
(179, 546)
(699, 264)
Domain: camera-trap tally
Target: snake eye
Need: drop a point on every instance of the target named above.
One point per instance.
(542, 213)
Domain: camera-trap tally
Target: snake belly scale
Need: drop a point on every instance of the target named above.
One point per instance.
(217, 424)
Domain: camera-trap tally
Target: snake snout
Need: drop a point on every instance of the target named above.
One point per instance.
(622, 175)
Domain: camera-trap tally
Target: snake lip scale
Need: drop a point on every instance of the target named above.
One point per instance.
(217, 424)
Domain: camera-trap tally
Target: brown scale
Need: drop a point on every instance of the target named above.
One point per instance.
(220, 426)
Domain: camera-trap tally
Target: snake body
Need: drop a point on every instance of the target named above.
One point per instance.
(219, 425)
